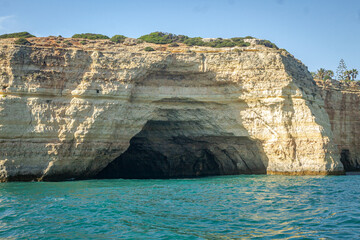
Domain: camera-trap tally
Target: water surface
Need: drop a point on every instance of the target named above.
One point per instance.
(230, 207)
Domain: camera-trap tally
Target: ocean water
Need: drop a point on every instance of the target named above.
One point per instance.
(230, 207)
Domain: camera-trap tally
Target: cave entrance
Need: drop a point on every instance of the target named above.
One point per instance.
(167, 149)
(345, 159)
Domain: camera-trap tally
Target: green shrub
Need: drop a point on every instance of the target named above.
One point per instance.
(22, 41)
(91, 36)
(149, 49)
(196, 41)
(243, 44)
(83, 42)
(68, 42)
(240, 41)
(173, 45)
(118, 39)
(163, 38)
(17, 35)
(269, 44)
(327, 77)
(217, 43)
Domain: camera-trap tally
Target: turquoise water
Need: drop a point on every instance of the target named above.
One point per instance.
(240, 207)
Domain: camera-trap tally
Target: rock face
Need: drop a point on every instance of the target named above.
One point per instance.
(342, 103)
(105, 110)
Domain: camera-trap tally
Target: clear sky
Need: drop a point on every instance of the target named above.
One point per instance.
(318, 32)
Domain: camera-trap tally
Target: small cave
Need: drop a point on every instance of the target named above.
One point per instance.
(159, 150)
(346, 160)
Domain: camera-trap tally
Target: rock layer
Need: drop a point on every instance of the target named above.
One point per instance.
(69, 112)
(342, 103)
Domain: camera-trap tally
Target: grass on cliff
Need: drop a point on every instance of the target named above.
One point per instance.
(17, 35)
(170, 38)
(91, 36)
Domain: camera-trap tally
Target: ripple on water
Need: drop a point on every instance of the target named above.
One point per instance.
(252, 206)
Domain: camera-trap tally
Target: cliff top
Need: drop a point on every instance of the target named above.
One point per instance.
(131, 44)
(351, 86)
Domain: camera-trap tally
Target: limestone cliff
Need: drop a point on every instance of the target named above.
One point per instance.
(109, 110)
(342, 103)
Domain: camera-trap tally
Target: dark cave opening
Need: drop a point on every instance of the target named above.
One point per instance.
(346, 160)
(162, 150)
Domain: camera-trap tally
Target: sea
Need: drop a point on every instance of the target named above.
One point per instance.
(223, 207)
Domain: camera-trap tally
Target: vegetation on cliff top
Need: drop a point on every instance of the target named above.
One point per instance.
(149, 49)
(169, 38)
(91, 36)
(216, 43)
(350, 75)
(118, 38)
(17, 35)
(342, 73)
(165, 38)
(267, 43)
(174, 44)
(22, 41)
(323, 74)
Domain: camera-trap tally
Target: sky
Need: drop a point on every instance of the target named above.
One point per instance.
(318, 32)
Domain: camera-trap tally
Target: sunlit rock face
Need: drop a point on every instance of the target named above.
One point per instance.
(107, 110)
(342, 103)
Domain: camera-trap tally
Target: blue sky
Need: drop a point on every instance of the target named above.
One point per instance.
(318, 32)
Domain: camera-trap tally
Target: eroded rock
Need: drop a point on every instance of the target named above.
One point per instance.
(69, 112)
(342, 103)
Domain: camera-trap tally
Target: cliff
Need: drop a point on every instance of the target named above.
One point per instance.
(342, 103)
(103, 110)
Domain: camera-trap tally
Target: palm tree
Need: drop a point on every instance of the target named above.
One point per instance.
(321, 73)
(347, 75)
(329, 73)
(354, 73)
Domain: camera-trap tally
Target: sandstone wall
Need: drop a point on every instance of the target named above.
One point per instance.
(67, 112)
(342, 103)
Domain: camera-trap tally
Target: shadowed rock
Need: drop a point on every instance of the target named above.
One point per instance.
(157, 152)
